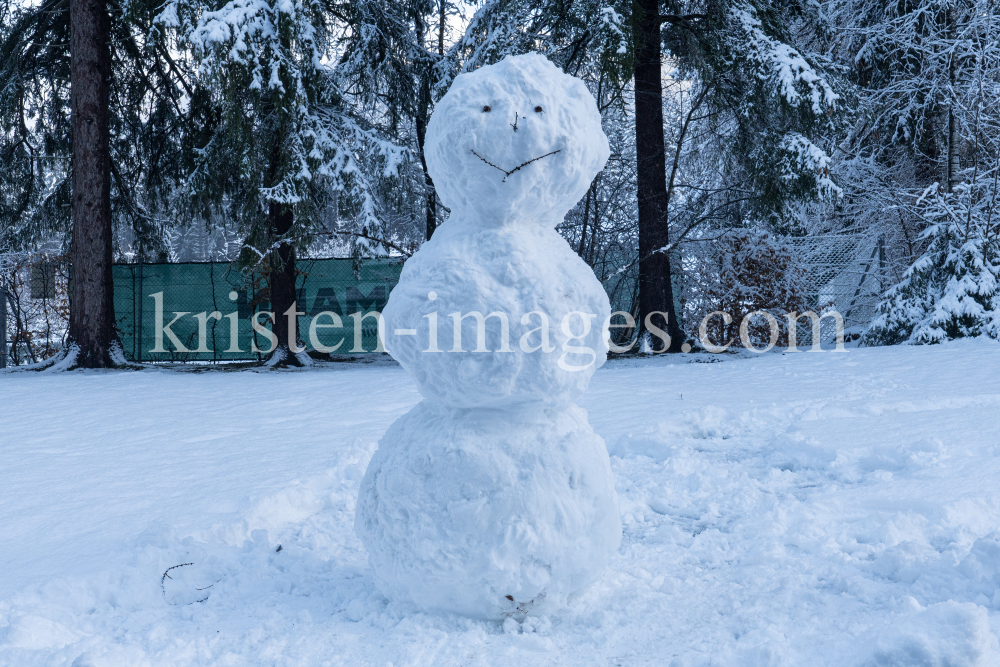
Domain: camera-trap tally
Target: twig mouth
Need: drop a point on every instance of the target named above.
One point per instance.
(508, 173)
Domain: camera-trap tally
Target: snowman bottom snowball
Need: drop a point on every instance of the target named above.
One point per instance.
(488, 513)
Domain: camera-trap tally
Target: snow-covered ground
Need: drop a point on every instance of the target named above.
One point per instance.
(801, 509)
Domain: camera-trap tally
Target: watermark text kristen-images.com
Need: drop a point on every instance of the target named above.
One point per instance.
(576, 326)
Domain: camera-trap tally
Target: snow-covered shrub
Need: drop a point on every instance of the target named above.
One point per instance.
(949, 292)
(739, 274)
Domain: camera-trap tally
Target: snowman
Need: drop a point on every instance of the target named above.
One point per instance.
(493, 497)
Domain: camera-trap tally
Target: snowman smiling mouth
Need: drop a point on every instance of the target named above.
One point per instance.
(508, 173)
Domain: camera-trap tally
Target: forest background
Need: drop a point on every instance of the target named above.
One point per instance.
(262, 131)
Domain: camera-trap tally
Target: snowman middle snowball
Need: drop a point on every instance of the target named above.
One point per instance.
(494, 496)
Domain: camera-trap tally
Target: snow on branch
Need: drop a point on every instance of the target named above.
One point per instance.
(781, 64)
(297, 108)
(614, 24)
(801, 156)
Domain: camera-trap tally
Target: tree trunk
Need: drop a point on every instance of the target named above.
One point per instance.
(951, 169)
(586, 219)
(282, 281)
(423, 106)
(595, 225)
(655, 291)
(91, 319)
(442, 22)
(3, 327)
(430, 205)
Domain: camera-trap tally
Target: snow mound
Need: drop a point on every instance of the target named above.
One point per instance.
(488, 513)
(981, 568)
(661, 441)
(951, 634)
(29, 631)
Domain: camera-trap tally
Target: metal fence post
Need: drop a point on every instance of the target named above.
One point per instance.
(3, 328)
(137, 318)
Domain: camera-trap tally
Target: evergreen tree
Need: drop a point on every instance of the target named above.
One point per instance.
(952, 290)
(87, 145)
(281, 135)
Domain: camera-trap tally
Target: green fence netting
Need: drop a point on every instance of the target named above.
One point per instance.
(191, 311)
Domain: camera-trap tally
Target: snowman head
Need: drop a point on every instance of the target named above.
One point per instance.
(518, 140)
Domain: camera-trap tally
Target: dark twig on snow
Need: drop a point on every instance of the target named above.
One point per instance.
(508, 173)
(166, 575)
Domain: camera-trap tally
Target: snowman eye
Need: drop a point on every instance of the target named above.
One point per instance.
(538, 109)
(486, 109)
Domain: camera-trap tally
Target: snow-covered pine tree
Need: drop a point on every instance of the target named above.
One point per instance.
(280, 134)
(921, 161)
(926, 84)
(953, 289)
(141, 85)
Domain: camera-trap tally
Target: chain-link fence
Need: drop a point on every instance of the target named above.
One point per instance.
(846, 273)
(745, 271)
(34, 306)
(211, 311)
